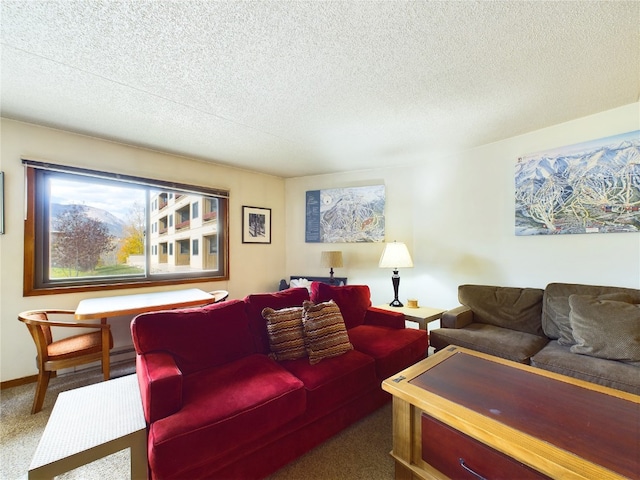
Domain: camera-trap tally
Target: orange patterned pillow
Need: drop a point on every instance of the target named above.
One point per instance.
(286, 337)
(325, 333)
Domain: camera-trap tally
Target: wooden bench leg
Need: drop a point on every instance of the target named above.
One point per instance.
(106, 367)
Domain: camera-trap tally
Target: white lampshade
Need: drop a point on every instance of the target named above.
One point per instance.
(331, 259)
(395, 255)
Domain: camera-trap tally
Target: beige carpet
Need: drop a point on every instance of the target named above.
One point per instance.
(360, 452)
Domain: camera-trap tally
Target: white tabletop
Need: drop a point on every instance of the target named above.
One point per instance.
(87, 417)
(144, 302)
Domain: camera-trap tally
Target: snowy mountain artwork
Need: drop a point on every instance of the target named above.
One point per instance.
(592, 187)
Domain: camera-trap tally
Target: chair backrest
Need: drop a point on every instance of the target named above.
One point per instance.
(41, 333)
(219, 295)
(36, 321)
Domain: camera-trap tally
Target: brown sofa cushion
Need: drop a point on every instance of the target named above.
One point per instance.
(514, 308)
(498, 341)
(605, 328)
(610, 373)
(555, 309)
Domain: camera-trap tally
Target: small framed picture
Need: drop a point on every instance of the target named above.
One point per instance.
(1, 202)
(256, 225)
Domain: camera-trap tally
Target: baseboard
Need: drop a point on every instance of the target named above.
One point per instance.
(116, 355)
(122, 354)
(18, 381)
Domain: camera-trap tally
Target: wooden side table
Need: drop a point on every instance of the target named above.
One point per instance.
(420, 315)
(92, 422)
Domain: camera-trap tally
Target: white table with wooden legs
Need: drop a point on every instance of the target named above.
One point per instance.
(104, 307)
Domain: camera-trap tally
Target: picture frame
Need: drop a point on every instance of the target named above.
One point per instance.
(256, 225)
(589, 187)
(1, 203)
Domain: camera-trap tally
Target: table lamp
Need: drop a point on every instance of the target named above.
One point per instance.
(331, 259)
(395, 255)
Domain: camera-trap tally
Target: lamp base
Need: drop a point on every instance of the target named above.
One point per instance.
(332, 281)
(395, 279)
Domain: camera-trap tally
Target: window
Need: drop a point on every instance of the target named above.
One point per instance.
(93, 230)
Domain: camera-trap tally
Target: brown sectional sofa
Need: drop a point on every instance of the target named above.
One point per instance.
(585, 331)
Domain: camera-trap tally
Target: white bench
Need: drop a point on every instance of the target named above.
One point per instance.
(92, 422)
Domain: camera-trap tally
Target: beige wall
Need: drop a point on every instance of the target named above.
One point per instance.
(253, 267)
(457, 216)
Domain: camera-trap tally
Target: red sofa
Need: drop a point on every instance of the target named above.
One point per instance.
(219, 406)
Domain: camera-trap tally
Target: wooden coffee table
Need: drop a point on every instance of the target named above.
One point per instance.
(461, 411)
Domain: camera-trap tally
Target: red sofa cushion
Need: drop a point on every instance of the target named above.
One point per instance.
(197, 338)
(232, 404)
(353, 300)
(256, 302)
(393, 349)
(335, 380)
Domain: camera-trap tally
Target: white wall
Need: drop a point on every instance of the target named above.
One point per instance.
(253, 268)
(457, 217)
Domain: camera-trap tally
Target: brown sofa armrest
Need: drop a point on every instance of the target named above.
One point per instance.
(458, 317)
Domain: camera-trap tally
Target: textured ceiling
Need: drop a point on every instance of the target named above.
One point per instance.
(299, 88)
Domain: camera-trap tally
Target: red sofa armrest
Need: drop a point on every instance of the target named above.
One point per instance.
(160, 385)
(384, 318)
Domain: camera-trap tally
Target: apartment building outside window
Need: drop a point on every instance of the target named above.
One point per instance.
(94, 229)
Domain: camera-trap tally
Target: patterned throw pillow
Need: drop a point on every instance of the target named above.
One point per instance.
(286, 337)
(605, 328)
(324, 330)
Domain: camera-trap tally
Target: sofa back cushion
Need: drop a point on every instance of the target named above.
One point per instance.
(353, 300)
(515, 308)
(556, 308)
(605, 328)
(197, 338)
(256, 302)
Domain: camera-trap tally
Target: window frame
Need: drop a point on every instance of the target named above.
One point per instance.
(35, 199)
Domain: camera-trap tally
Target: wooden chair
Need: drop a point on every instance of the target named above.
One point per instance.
(219, 295)
(66, 352)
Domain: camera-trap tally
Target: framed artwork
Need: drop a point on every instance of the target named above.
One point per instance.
(345, 215)
(591, 187)
(256, 225)
(1, 202)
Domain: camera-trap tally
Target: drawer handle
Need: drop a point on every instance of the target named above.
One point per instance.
(470, 470)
